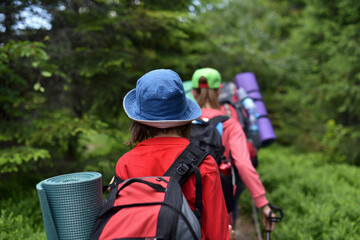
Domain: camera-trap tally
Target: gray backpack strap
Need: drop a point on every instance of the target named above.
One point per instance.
(227, 108)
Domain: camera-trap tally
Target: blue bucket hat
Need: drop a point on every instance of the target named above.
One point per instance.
(159, 100)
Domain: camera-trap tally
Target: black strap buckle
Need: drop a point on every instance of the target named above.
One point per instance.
(191, 157)
(182, 169)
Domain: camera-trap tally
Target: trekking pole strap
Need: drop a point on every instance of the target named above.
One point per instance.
(273, 209)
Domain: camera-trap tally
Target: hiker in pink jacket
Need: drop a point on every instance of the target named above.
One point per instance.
(206, 84)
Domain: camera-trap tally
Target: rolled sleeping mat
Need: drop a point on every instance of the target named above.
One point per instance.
(70, 204)
(248, 82)
(188, 89)
(266, 131)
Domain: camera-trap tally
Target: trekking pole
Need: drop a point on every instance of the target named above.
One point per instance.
(256, 220)
(273, 219)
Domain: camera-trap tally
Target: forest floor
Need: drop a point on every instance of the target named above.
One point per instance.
(245, 227)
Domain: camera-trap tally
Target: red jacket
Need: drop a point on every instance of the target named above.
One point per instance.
(234, 141)
(152, 157)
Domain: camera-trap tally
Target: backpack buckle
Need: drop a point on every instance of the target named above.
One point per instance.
(182, 169)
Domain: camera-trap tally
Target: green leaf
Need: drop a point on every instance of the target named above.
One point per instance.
(35, 64)
(37, 86)
(46, 74)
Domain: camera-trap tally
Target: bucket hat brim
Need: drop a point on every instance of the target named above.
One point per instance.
(131, 108)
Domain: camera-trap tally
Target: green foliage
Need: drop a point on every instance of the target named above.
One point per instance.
(305, 57)
(335, 134)
(318, 199)
(11, 159)
(20, 64)
(102, 150)
(21, 217)
(327, 43)
(20, 214)
(59, 128)
(253, 36)
(52, 135)
(70, 83)
(246, 36)
(110, 45)
(18, 227)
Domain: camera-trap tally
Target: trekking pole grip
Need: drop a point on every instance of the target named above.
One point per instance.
(272, 219)
(277, 210)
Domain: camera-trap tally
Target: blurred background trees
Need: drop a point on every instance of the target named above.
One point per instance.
(64, 81)
(65, 66)
(305, 55)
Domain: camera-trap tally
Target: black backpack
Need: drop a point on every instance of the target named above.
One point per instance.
(154, 207)
(206, 133)
(226, 99)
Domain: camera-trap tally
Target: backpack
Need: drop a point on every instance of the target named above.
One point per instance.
(154, 207)
(232, 105)
(206, 133)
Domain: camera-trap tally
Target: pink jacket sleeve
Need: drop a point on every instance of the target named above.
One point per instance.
(234, 140)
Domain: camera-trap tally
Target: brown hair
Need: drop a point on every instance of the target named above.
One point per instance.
(207, 95)
(140, 132)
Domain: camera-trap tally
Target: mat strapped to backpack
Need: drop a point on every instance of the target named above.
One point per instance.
(154, 207)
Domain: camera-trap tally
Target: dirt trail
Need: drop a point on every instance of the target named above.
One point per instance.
(245, 227)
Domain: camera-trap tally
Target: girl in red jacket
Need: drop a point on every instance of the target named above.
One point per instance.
(206, 84)
(162, 116)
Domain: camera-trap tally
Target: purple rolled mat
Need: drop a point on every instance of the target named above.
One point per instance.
(255, 95)
(247, 81)
(260, 108)
(266, 131)
(260, 105)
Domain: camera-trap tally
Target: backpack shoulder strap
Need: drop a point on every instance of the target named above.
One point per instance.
(227, 108)
(215, 120)
(192, 156)
(186, 164)
(239, 108)
(117, 181)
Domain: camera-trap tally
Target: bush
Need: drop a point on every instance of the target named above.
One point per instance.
(319, 199)
(21, 217)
